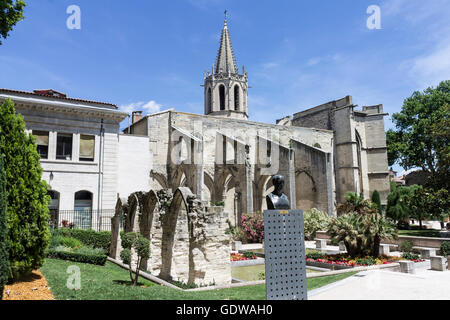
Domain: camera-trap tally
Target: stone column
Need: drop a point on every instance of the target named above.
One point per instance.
(292, 191)
(330, 185)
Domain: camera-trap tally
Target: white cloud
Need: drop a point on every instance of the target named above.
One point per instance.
(433, 67)
(146, 107)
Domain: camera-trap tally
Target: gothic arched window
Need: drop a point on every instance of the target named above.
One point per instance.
(209, 101)
(236, 98)
(222, 97)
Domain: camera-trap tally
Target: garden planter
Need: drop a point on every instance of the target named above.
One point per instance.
(236, 245)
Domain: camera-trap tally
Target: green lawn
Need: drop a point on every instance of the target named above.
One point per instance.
(106, 283)
(419, 233)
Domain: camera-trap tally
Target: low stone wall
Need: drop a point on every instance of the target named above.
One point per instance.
(417, 241)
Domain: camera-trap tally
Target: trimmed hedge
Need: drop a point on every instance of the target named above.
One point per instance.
(87, 237)
(97, 259)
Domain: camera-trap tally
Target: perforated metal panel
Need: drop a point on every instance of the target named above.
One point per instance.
(285, 255)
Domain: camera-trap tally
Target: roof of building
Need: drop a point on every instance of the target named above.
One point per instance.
(226, 62)
(53, 94)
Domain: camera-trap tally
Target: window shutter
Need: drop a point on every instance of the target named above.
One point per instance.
(87, 146)
(41, 138)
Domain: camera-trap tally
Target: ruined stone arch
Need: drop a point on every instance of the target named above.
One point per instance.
(150, 203)
(161, 179)
(306, 191)
(130, 217)
(261, 188)
(175, 231)
(119, 211)
(209, 184)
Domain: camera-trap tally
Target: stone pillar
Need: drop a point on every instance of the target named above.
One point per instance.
(321, 243)
(407, 266)
(330, 185)
(439, 263)
(249, 177)
(292, 192)
(384, 249)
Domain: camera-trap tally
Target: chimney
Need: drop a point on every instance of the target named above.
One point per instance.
(136, 116)
(50, 93)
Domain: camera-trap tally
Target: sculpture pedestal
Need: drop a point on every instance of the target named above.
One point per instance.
(284, 245)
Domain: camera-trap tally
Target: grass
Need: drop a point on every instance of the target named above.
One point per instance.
(251, 273)
(112, 283)
(419, 233)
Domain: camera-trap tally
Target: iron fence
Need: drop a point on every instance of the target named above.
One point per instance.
(97, 220)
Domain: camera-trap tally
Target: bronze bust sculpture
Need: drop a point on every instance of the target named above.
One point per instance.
(277, 200)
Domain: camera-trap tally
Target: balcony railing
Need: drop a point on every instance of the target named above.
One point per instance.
(97, 220)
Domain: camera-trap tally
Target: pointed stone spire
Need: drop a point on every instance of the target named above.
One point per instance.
(226, 62)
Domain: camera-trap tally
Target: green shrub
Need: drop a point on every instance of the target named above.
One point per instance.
(376, 199)
(406, 246)
(237, 234)
(249, 254)
(218, 204)
(141, 246)
(314, 255)
(4, 261)
(362, 232)
(410, 256)
(26, 200)
(71, 242)
(83, 255)
(315, 220)
(87, 237)
(367, 261)
(445, 248)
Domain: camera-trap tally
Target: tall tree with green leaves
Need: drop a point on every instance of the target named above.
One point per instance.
(27, 200)
(11, 12)
(4, 256)
(398, 202)
(377, 200)
(421, 135)
(419, 205)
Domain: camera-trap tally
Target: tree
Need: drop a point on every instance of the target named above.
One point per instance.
(355, 203)
(361, 227)
(27, 200)
(377, 200)
(4, 259)
(439, 205)
(315, 220)
(362, 233)
(141, 245)
(397, 202)
(11, 12)
(419, 205)
(421, 135)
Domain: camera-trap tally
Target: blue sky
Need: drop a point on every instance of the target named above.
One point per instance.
(151, 55)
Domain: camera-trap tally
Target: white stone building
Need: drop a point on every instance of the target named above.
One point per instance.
(81, 151)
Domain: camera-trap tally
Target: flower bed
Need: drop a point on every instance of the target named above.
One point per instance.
(243, 257)
(350, 262)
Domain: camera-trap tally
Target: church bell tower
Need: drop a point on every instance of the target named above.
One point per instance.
(226, 91)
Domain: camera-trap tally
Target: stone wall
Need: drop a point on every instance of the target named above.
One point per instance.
(187, 237)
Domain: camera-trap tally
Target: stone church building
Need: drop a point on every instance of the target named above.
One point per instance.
(221, 156)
